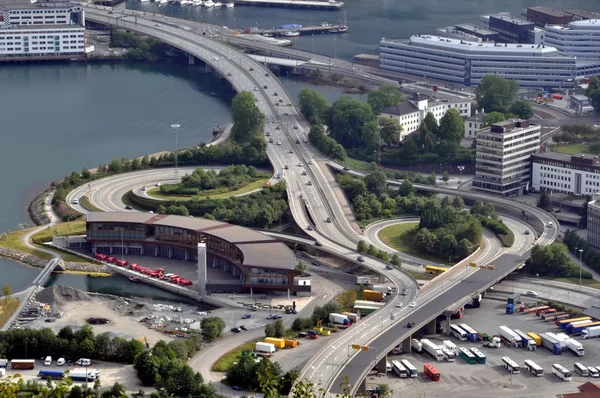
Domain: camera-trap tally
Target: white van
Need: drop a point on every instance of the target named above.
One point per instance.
(48, 361)
(388, 367)
(83, 362)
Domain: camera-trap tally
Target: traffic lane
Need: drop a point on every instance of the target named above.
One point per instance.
(580, 299)
(423, 313)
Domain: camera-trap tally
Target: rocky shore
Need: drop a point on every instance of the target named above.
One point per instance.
(62, 265)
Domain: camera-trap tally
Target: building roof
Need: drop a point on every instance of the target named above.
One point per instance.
(549, 11)
(476, 29)
(511, 19)
(580, 97)
(561, 157)
(583, 14)
(476, 117)
(403, 108)
(586, 390)
(257, 248)
(593, 311)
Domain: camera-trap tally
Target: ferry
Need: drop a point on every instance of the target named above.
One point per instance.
(230, 5)
(291, 34)
(134, 279)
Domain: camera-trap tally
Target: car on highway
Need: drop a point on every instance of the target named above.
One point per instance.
(144, 188)
(303, 172)
(286, 113)
(299, 164)
(399, 304)
(255, 99)
(128, 207)
(157, 25)
(527, 232)
(317, 243)
(229, 74)
(550, 224)
(243, 327)
(216, 58)
(310, 228)
(309, 183)
(316, 263)
(286, 167)
(236, 388)
(277, 127)
(280, 99)
(251, 69)
(389, 266)
(268, 134)
(158, 184)
(247, 315)
(295, 127)
(75, 201)
(278, 142)
(413, 304)
(403, 292)
(291, 151)
(276, 93)
(361, 259)
(236, 330)
(297, 141)
(346, 168)
(531, 293)
(265, 87)
(270, 140)
(310, 162)
(255, 89)
(266, 74)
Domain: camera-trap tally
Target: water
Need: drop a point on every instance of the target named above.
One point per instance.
(369, 20)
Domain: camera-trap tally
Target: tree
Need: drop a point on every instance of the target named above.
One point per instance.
(361, 247)
(493, 117)
(445, 176)
(452, 126)
(385, 96)
(544, 201)
(146, 368)
(396, 260)
(347, 298)
(300, 268)
(428, 133)
(279, 328)
(595, 100)
(390, 130)
(522, 109)
(370, 135)
(593, 85)
(6, 291)
(313, 105)
(376, 182)
(270, 330)
(495, 93)
(212, 327)
(247, 118)
(348, 116)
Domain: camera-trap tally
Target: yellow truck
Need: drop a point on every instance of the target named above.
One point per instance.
(278, 343)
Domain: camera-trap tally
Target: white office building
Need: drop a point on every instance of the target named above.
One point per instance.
(465, 62)
(503, 157)
(473, 124)
(593, 223)
(580, 39)
(48, 30)
(411, 113)
(563, 173)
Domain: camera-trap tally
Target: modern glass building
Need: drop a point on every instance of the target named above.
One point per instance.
(262, 262)
(580, 39)
(465, 62)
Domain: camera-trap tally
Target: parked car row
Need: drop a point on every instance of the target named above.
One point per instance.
(158, 273)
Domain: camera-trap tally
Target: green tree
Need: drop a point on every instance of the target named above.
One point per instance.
(595, 99)
(146, 368)
(593, 85)
(361, 247)
(247, 118)
(495, 93)
(313, 105)
(390, 130)
(385, 96)
(6, 291)
(544, 201)
(432, 178)
(452, 126)
(396, 260)
(493, 117)
(347, 298)
(445, 176)
(279, 328)
(270, 330)
(348, 116)
(428, 133)
(370, 136)
(300, 268)
(376, 182)
(115, 166)
(522, 109)
(212, 327)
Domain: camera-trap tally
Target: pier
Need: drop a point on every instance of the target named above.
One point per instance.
(304, 31)
(323, 5)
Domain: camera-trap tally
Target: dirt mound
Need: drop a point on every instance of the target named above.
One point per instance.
(59, 295)
(135, 309)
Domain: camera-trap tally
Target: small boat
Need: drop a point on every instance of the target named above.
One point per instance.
(343, 29)
(230, 5)
(218, 4)
(197, 2)
(209, 3)
(291, 34)
(134, 279)
(145, 1)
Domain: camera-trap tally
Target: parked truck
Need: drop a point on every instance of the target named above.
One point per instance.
(571, 327)
(588, 333)
(339, 319)
(526, 340)
(81, 374)
(268, 348)
(511, 336)
(382, 288)
(493, 343)
(22, 364)
(373, 295)
(551, 343)
(575, 346)
(450, 345)
(278, 343)
(513, 299)
(536, 338)
(448, 354)
(416, 345)
(510, 308)
(432, 350)
(53, 374)
(363, 280)
(354, 318)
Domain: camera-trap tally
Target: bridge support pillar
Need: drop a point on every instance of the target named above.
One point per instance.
(407, 345)
(288, 294)
(207, 68)
(431, 327)
(381, 365)
(447, 324)
(251, 293)
(191, 59)
(362, 388)
(201, 267)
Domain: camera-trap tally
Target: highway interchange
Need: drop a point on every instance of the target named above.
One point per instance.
(313, 204)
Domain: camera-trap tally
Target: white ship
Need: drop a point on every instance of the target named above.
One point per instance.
(218, 4)
(209, 3)
(229, 5)
(197, 2)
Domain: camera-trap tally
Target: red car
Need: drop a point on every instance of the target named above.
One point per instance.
(111, 259)
(100, 256)
(255, 99)
(291, 151)
(134, 266)
(229, 74)
(122, 263)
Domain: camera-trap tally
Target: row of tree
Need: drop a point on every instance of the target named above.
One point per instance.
(579, 133)
(554, 261)
(593, 93)
(589, 255)
(212, 182)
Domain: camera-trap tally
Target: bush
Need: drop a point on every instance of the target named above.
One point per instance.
(301, 324)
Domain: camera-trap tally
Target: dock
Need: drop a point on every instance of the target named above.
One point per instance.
(323, 5)
(304, 31)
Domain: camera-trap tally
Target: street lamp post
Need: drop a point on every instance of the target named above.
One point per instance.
(175, 173)
(580, 253)
(537, 277)
(460, 168)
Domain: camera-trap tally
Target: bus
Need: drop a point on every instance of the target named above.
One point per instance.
(430, 269)
(561, 372)
(533, 368)
(471, 333)
(510, 365)
(458, 332)
(466, 355)
(479, 357)
(582, 370)
(399, 369)
(412, 371)
(564, 322)
(431, 372)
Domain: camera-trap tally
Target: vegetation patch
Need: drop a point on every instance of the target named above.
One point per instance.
(213, 193)
(86, 203)
(398, 236)
(554, 261)
(573, 149)
(12, 240)
(8, 306)
(232, 356)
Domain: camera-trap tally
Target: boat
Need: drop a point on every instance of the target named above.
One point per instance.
(218, 4)
(343, 29)
(162, 1)
(209, 3)
(197, 2)
(230, 5)
(291, 34)
(134, 279)
(324, 24)
(145, 1)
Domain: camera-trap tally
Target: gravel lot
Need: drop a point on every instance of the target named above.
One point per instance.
(491, 379)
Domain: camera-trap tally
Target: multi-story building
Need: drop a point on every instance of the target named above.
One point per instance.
(593, 223)
(510, 29)
(582, 15)
(453, 33)
(411, 113)
(580, 39)
(464, 62)
(503, 157)
(473, 124)
(563, 173)
(47, 30)
(542, 16)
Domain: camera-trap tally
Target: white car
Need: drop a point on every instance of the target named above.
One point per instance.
(216, 58)
(399, 305)
(75, 201)
(413, 304)
(60, 362)
(531, 293)
(255, 88)
(278, 142)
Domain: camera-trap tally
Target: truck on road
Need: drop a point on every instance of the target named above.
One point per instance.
(511, 336)
(588, 333)
(382, 288)
(551, 343)
(432, 349)
(575, 346)
(526, 340)
(363, 280)
(339, 319)
(373, 295)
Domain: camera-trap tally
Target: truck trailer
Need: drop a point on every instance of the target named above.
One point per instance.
(53, 374)
(339, 319)
(526, 340)
(373, 295)
(382, 288)
(569, 328)
(511, 336)
(416, 345)
(536, 338)
(81, 375)
(268, 348)
(22, 364)
(551, 343)
(450, 345)
(575, 346)
(588, 333)
(432, 349)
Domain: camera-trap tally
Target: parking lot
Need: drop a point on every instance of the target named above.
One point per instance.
(491, 379)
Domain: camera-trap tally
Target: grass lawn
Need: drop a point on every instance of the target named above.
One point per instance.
(13, 241)
(574, 149)
(7, 308)
(155, 192)
(399, 237)
(574, 280)
(84, 201)
(66, 228)
(231, 356)
(419, 276)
